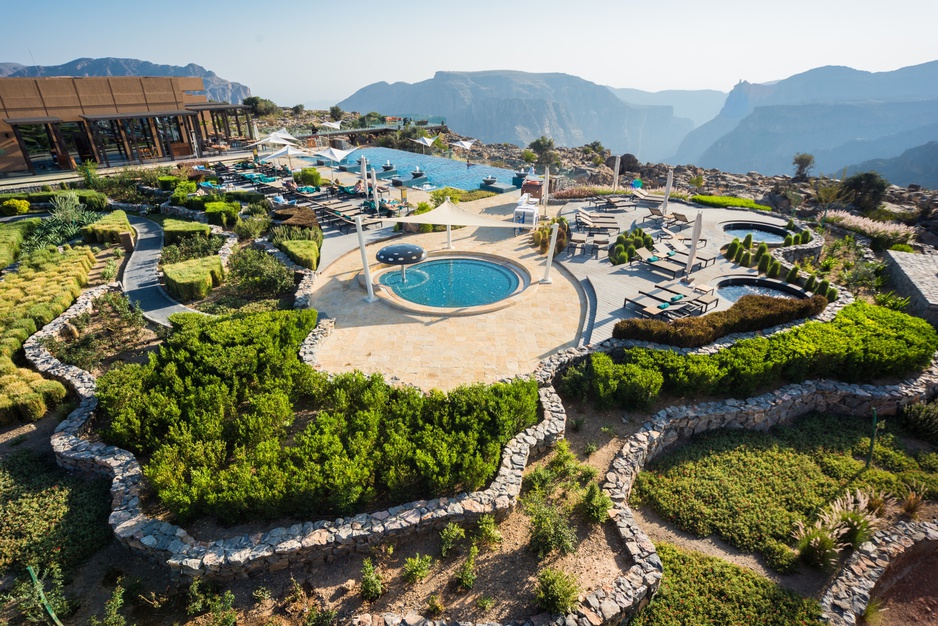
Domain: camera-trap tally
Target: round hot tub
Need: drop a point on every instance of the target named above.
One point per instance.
(455, 284)
(768, 233)
(734, 288)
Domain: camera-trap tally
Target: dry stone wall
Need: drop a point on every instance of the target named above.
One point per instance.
(280, 548)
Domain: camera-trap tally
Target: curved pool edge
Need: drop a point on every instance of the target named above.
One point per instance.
(388, 296)
(760, 281)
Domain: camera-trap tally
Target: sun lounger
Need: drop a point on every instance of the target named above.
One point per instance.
(655, 213)
(680, 218)
(673, 268)
(702, 298)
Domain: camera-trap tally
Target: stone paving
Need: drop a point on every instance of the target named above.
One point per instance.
(444, 352)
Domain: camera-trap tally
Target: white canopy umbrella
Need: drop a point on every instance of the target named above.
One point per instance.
(545, 190)
(425, 141)
(450, 214)
(272, 140)
(288, 151)
(374, 190)
(667, 190)
(695, 237)
(615, 175)
(364, 176)
(331, 154)
(332, 125)
(283, 133)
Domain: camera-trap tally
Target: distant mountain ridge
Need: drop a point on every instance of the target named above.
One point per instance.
(216, 88)
(518, 107)
(915, 165)
(697, 105)
(838, 114)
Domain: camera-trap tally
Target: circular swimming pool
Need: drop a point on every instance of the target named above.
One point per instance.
(733, 289)
(457, 282)
(771, 235)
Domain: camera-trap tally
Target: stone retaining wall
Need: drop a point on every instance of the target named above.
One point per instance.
(304, 291)
(846, 597)
(282, 547)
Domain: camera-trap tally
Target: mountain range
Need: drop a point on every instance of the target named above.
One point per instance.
(216, 88)
(518, 107)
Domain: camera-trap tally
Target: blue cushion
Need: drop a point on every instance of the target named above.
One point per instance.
(653, 259)
(672, 253)
(663, 306)
(676, 298)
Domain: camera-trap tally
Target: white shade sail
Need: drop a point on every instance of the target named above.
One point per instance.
(272, 140)
(464, 144)
(450, 214)
(283, 133)
(333, 154)
(332, 125)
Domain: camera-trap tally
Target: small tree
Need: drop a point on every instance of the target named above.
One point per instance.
(696, 182)
(336, 113)
(543, 147)
(830, 192)
(261, 106)
(372, 585)
(868, 189)
(803, 163)
(528, 156)
(298, 109)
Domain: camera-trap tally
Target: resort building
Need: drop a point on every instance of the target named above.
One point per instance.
(55, 123)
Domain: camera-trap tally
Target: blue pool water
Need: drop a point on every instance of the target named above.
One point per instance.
(734, 292)
(453, 283)
(758, 235)
(440, 172)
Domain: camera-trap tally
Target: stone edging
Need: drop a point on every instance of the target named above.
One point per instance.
(847, 596)
(281, 547)
(304, 291)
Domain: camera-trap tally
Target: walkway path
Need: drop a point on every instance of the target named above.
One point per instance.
(141, 281)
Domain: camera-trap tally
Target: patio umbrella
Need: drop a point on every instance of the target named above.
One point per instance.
(427, 142)
(545, 191)
(667, 190)
(331, 154)
(254, 133)
(615, 175)
(288, 151)
(695, 236)
(364, 176)
(374, 189)
(283, 133)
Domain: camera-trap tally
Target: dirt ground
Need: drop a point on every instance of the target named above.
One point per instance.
(912, 597)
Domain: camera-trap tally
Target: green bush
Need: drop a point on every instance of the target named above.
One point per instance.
(253, 272)
(372, 585)
(922, 419)
(487, 531)
(14, 206)
(732, 249)
(747, 242)
(789, 240)
(193, 279)
(775, 268)
(556, 591)
(466, 576)
(213, 412)
(699, 589)
(750, 488)
(175, 230)
(761, 251)
(792, 276)
(305, 253)
(167, 183)
(181, 193)
(452, 534)
(823, 287)
(308, 176)
(750, 313)
(108, 229)
(12, 235)
(729, 201)
(811, 283)
(191, 247)
(764, 263)
(251, 228)
(550, 528)
(902, 247)
(417, 567)
(595, 503)
(746, 259)
(247, 197)
(222, 213)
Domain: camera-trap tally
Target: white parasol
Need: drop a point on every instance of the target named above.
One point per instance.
(615, 175)
(695, 237)
(667, 190)
(288, 151)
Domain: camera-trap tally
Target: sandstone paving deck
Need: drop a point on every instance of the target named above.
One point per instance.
(444, 352)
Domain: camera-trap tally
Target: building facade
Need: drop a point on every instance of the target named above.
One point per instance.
(55, 123)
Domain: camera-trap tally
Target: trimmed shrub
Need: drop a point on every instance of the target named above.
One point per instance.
(789, 240)
(792, 276)
(14, 206)
(764, 261)
(761, 251)
(747, 242)
(167, 183)
(746, 259)
(247, 197)
(305, 253)
(556, 591)
(308, 176)
(12, 235)
(93, 200)
(193, 279)
(175, 230)
(732, 249)
(796, 240)
(192, 247)
(811, 283)
(108, 229)
(222, 213)
(774, 269)
(806, 236)
(729, 201)
(823, 287)
(738, 257)
(832, 294)
(750, 313)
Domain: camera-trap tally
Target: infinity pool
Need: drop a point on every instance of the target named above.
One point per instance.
(453, 283)
(440, 172)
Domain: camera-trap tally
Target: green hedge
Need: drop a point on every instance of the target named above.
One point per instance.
(92, 200)
(108, 229)
(167, 183)
(750, 313)
(236, 426)
(222, 213)
(193, 279)
(863, 343)
(12, 235)
(247, 197)
(14, 206)
(729, 201)
(174, 230)
(302, 252)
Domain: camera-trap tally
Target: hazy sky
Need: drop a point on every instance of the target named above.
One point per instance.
(294, 51)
